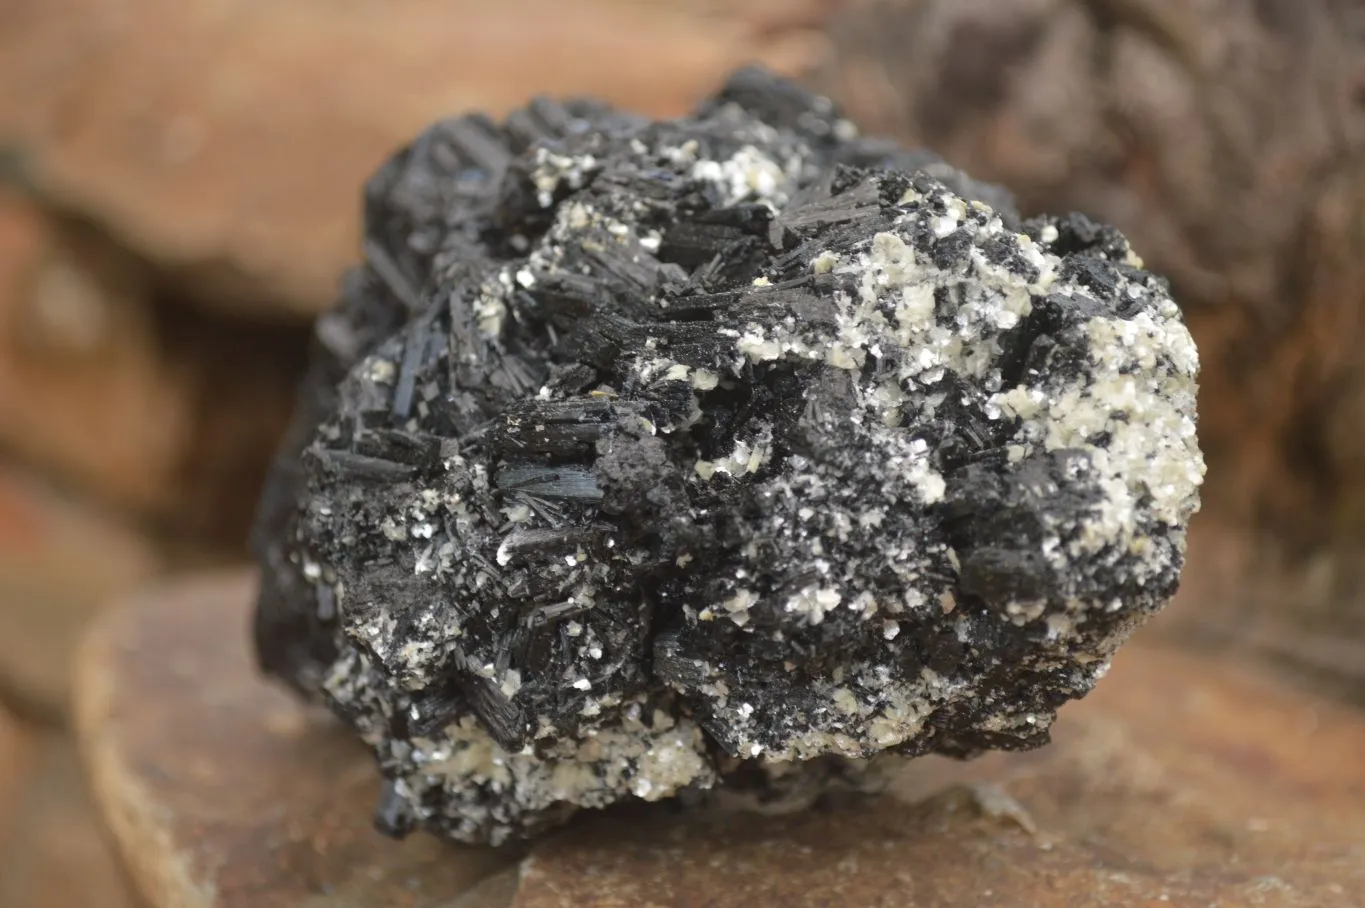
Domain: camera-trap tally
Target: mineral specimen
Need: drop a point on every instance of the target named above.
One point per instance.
(646, 457)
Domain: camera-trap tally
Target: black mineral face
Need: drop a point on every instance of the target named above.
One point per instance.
(640, 458)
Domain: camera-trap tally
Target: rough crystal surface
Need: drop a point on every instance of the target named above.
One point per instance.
(642, 457)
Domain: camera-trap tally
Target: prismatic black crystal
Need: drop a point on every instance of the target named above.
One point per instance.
(646, 457)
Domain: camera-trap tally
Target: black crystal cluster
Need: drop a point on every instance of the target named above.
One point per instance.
(645, 457)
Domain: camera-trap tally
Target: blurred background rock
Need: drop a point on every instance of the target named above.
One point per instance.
(179, 190)
(1227, 139)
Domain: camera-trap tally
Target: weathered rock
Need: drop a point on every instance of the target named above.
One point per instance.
(80, 387)
(52, 850)
(57, 854)
(222, 790)
(1243, 595)
(60, 561)
(1179, 776)
(1227, 141)
(19, 748)
(1178, 782)
(732, 446)
(148, 407)
(222, 141)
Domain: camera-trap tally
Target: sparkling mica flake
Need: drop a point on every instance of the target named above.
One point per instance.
(641, 458)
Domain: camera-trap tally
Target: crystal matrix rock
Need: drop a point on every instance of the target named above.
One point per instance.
(645, 457)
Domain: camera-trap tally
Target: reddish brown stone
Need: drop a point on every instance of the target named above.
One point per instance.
(221, 789)
(58, 856)
(53, 853)
(19, 747)
(144, 405)
(80, 385)
(1181, 781)
(226, 141)
(60, 561)
(1243, 597)
(1178, 782)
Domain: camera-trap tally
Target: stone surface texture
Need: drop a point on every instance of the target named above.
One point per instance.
(53, 851)
(725, 447)
(1181, 781)
(224, 143)
(60, 561)
(221, 789)
(139, 403)
(19, 746)
(78, 361)
(1242, 596)
(1227, 140)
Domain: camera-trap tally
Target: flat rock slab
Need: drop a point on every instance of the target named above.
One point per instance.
(220, 788)
(60, 562)
(19, 747)
(53, 851)
(1178, 782)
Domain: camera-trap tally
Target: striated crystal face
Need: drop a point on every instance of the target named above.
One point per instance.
(646, 457)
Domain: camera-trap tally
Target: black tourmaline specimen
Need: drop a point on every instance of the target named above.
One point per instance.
(643, 457)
